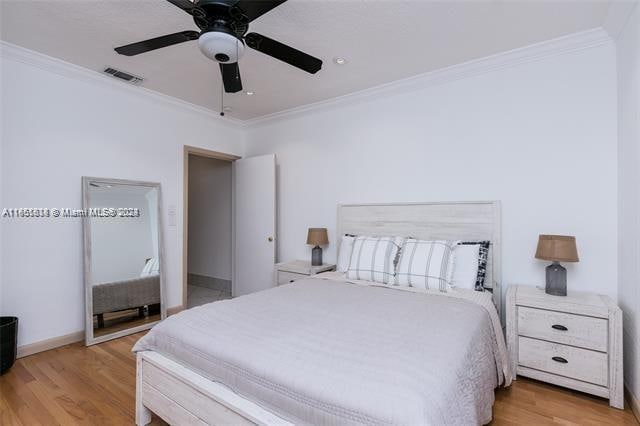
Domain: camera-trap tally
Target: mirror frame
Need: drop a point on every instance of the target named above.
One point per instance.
(89, 337)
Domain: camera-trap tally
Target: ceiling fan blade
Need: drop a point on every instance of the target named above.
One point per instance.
(157, 43)
(253, 9)
(283, 52)
(231, 77)
(185, 5)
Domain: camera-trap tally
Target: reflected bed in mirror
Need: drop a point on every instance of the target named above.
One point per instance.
(122, 256)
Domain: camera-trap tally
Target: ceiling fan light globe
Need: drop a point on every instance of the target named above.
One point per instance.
(221, 47)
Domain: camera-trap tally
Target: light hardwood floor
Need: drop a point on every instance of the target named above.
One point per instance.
(96, 385)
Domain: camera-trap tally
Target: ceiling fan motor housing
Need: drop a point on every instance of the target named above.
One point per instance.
(221, 46)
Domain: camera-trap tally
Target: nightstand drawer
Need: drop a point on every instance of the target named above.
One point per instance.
(570, 329)
(286, 277)
(581, 364)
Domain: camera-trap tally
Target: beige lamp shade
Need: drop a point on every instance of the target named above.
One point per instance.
(557, 248)
(317, 237)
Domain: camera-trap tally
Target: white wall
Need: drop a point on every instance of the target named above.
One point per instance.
(121, 245)
(2, 185)
(210, 217)
(628, 54)
(58, 125)
(540, 137)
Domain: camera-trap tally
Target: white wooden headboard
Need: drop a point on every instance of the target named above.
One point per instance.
(475, 220)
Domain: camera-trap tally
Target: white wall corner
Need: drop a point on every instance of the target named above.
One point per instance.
(618, 15)
(633, 401)
(534, 52)
(21, 54)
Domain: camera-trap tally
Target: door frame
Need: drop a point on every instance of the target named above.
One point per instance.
(201, 152)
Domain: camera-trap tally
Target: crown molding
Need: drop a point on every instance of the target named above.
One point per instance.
(534, 52)
(26, 56)
(618, 14)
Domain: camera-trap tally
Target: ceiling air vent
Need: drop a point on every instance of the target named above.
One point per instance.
(123, 75)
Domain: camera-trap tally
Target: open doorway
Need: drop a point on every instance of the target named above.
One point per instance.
(251, 183)
(209, 228)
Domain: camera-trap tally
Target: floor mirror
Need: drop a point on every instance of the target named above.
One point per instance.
(123, 259)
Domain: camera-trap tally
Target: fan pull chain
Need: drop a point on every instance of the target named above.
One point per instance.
(222, 99)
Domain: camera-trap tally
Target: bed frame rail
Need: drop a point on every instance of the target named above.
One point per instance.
(182, 397)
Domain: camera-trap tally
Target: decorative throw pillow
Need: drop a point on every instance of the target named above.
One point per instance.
(465, 272)
(425, 264)
(152, 267)
(372, 259)
(483, 257)
(346, 248)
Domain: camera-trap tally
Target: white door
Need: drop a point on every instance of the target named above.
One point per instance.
(255, 224)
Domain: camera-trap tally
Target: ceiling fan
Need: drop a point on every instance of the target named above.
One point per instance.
(223, 35)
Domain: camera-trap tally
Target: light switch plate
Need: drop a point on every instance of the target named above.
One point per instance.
(171, 213)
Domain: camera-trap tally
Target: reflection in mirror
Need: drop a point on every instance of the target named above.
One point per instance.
(122, 257)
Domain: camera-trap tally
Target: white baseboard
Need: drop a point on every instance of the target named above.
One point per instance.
(67, 339)
(633, 401)
(174, 310)
(48, 344)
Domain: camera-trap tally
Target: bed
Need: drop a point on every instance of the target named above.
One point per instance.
(125, 294)
(133, 293)
(335, 351)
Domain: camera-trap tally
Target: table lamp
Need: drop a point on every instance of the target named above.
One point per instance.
(557, 248)
(317, 237)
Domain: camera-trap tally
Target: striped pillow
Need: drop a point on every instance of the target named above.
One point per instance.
(373, 258)
(425, 264)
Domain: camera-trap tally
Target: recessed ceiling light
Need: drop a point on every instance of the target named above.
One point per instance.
(340, 61)
(250, 93)
(227, 109)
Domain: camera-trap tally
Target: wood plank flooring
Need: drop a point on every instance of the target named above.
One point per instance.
(96, 385)
(123, 320)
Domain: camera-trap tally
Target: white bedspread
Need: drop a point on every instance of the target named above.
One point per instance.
(331, 352)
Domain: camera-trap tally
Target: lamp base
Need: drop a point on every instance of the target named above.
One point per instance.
(556, 280)
(316, 256)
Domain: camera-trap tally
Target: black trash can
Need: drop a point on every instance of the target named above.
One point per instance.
(8, 342)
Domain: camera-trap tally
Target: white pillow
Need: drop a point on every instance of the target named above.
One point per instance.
(426, 264)
(152, 267)
(465, 272)
(346, 248)
(373, 259)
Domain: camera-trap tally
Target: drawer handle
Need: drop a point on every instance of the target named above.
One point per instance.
(559, 359)
(559, 327)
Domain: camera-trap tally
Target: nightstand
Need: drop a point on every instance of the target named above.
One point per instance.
(573, 341)
(287, 272)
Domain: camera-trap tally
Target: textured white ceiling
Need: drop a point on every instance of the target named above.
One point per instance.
(383, 41)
